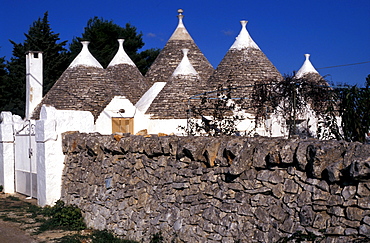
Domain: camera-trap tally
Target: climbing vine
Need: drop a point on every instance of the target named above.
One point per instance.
(219, 112)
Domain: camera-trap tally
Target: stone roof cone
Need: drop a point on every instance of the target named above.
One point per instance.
(124, 77)
(172, 100)
(244, 64)
(86, 86)
(170, 56)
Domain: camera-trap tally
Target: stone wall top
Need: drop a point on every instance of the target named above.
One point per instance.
(334, 161)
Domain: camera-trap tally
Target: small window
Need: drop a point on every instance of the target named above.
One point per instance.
(36, 55)
(124, 125)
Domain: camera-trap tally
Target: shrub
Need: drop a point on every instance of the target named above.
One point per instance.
(63, 217)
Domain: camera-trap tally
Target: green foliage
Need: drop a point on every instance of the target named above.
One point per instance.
(13, 198)
(218, 112)
(1, 188)
(354, 108)
(300, 237)
(103, 35)
(290, 98)
(3, 81)
(102, 236)
(97, 236)
(40, 37)
(157, 238)
(63, 217)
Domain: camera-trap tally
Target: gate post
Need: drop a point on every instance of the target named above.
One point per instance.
(48, 166)
(7, 178)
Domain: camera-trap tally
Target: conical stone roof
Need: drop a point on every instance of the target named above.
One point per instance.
(86, 86)
(80, 88)
(172, 101)
(171, 55)
(124, 77)
(244, 64)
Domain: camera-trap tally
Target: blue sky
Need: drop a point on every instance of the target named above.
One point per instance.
(334, 32)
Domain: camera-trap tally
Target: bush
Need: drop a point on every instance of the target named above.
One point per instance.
(63, 217)
(96, 236)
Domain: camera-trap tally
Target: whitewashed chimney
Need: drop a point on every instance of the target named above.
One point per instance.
(34, 81)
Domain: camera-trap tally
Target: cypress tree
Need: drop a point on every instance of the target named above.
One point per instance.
(40, 37)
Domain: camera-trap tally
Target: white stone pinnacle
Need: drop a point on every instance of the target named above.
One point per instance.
(307, 67)
(121, 56)
(85, 58)
(244, 40)
(185, 67)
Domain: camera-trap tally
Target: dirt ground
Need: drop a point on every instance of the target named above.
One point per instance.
(17, 223)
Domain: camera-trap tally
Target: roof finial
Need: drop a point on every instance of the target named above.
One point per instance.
(244, 23)
(180, 33)
(121, 56)
(180, 16)
(244, 40)
(85, 57)
(307, 67)
(185, 67)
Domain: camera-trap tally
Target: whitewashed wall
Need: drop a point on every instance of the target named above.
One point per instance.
(50, 156)
(7, 177)
(167, 126)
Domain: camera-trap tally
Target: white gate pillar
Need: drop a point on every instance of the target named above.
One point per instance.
(48, 164)
(7, 178)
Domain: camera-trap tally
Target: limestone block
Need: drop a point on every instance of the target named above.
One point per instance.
(211, 150)
(339, 230)
(364, 230)
(301, 154)
(304, 198)
(360, 169)
(152, 146)
(348, 192)
(354, 213)
(321, 220)
(350, 231)
(337, 211)
(290, 186)
(321, 155)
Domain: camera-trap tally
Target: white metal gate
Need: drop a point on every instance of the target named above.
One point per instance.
(25, 161)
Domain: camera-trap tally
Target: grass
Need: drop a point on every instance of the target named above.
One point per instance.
(61, 217)
(95, 236)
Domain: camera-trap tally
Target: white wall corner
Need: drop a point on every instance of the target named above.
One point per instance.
(7, 152)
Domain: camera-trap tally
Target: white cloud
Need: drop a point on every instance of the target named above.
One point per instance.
(151, 35)
(228, 32)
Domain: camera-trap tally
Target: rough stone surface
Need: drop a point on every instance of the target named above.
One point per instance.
(201, 189)
(92, 89)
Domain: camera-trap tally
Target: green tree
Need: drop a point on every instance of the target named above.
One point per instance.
(103, 35)
(354, 108)
(40, 37)
(4, 96)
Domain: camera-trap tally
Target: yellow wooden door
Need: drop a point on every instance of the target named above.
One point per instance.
(124, 125)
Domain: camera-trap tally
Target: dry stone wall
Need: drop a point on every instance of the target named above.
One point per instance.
(229, 189)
